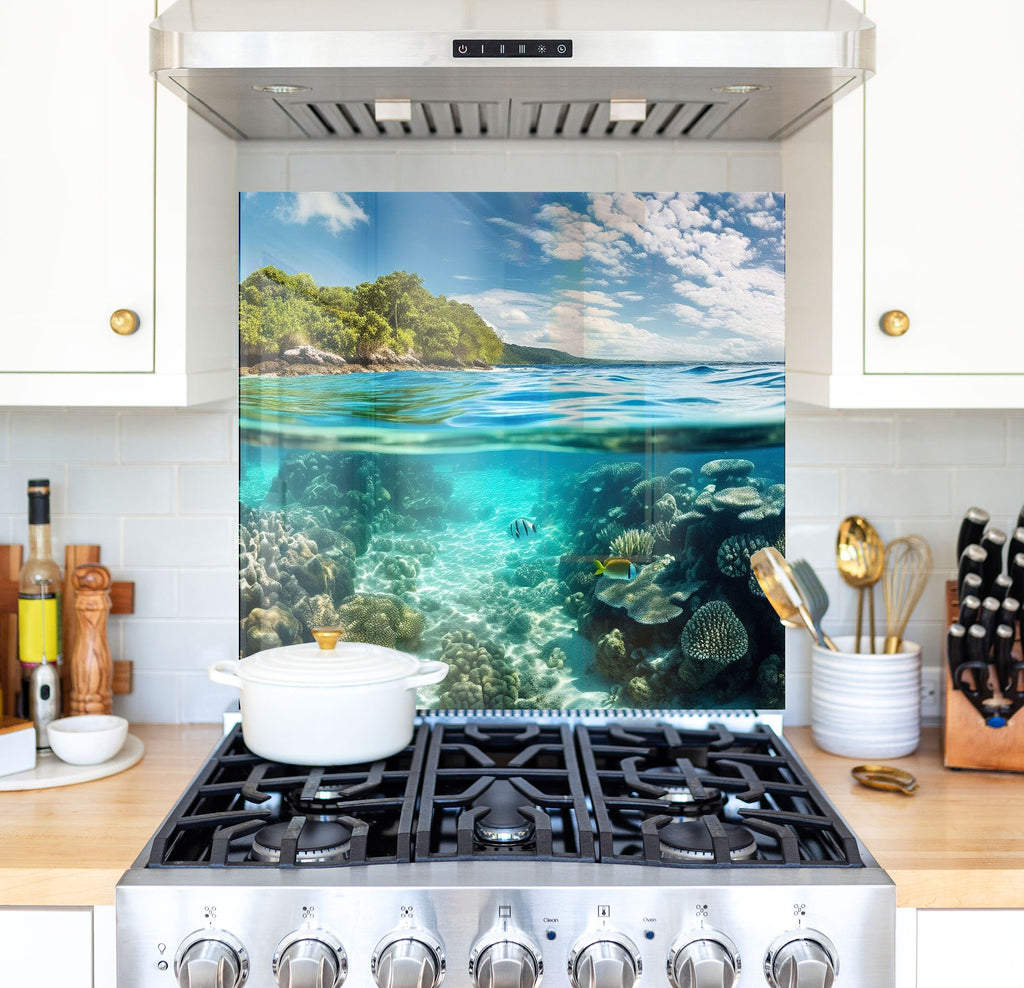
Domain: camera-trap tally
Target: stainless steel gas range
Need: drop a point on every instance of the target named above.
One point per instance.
(592, 852)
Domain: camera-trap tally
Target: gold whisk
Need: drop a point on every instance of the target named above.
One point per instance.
(908, 564)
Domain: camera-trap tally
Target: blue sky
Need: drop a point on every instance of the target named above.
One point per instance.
(656, 276)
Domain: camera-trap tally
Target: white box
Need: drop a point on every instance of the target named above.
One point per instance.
(17, 745)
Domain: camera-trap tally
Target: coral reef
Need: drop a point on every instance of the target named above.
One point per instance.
(633, 544)
(735, 551)
(268, 628)
(712, 639)
(479, 675)
(380, 619)
(612, 659)
(646, 599)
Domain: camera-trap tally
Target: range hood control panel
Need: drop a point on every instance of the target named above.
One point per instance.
(515, 48)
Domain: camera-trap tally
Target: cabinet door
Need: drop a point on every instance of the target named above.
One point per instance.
(944, 207)
(77, 176)
(46, 947)
(954, 947)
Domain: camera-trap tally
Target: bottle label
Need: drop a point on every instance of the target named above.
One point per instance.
(39, 629)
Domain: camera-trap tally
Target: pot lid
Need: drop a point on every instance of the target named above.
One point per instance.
(347, 664)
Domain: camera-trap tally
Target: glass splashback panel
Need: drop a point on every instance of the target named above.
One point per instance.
(535, 435)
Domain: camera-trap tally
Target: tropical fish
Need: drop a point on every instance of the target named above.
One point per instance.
(615, 568)
(521, 526)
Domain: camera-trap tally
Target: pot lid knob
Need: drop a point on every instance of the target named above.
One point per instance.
(327, 638)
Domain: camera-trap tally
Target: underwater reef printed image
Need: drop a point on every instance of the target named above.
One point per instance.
(534, 435)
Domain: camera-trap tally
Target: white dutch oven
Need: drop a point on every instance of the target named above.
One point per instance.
(323, 705)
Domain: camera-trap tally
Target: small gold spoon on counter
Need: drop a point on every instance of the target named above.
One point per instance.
(885, 777)
(860, 559)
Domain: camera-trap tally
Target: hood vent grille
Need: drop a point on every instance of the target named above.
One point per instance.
(575, 119)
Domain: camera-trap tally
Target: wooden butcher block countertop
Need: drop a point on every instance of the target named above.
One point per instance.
(958, 843)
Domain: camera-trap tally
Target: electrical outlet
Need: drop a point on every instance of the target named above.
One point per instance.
(931, 694)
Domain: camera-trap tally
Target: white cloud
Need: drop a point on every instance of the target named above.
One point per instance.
(336, 210)
(465, 277)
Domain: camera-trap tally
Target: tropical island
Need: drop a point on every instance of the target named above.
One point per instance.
(289, 326)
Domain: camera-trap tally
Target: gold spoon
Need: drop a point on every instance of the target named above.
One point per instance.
(860, 559)
(776, 580)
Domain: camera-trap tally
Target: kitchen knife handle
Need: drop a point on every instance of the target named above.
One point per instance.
(970, 607)
(988, 618)
(1002, 659)
(971, 528)
(1016, 545)
(977, 662)
(993, 542)
(1009, 612)
(972, 560)
(955, 651)
(1017, 576)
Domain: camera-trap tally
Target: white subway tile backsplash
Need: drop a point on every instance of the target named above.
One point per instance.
(185, 436)
(75, 437)
(896, 493)
(1015, 439)
(208, 593)
(206, 490)
(812, 492)
(122, 490)
(832, 439)
(926, 440)
(156, 591)
(180, 542)
(14, 478)
(999, 490)
(101, 530)
(203, 701)
(179, 645)
(155, 698)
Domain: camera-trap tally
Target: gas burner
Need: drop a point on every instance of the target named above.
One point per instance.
(502, 824)
(326, 803)
(319, 843)
(691, 841)
(682, 802)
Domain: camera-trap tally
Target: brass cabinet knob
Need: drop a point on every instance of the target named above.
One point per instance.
(124, 322)
(895, 323)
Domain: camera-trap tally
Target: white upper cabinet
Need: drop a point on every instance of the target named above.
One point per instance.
(906, 199)
(99, 217)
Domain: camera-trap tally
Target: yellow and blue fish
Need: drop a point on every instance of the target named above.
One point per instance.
(615, 568)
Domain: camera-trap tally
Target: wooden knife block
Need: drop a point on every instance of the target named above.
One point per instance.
(122, 595)
(967, 741)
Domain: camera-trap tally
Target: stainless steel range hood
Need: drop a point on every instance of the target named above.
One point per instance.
(499, 69)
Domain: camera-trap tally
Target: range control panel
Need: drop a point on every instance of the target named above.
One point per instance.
(515, 48)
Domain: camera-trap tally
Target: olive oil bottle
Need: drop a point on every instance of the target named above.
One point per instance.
(39, 597)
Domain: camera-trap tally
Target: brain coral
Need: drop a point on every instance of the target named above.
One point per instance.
(712, 639)
(735, 551)
(380, 619)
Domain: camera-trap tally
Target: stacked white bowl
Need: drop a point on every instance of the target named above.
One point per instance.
(866, 705)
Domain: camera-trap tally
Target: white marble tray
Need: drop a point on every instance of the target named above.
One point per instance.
(50, 771)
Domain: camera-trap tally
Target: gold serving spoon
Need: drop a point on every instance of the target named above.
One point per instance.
(776, 580)
(860, 559)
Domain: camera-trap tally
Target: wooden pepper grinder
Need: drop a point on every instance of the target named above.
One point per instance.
(92, 670)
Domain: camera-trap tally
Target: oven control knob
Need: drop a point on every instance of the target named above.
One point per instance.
(707, 960)
(408, 959)
(505, 961)
(801, 959)
(310, 959)
(607, 960)
(211, 959)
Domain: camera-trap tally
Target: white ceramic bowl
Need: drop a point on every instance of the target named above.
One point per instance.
(88, 739)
